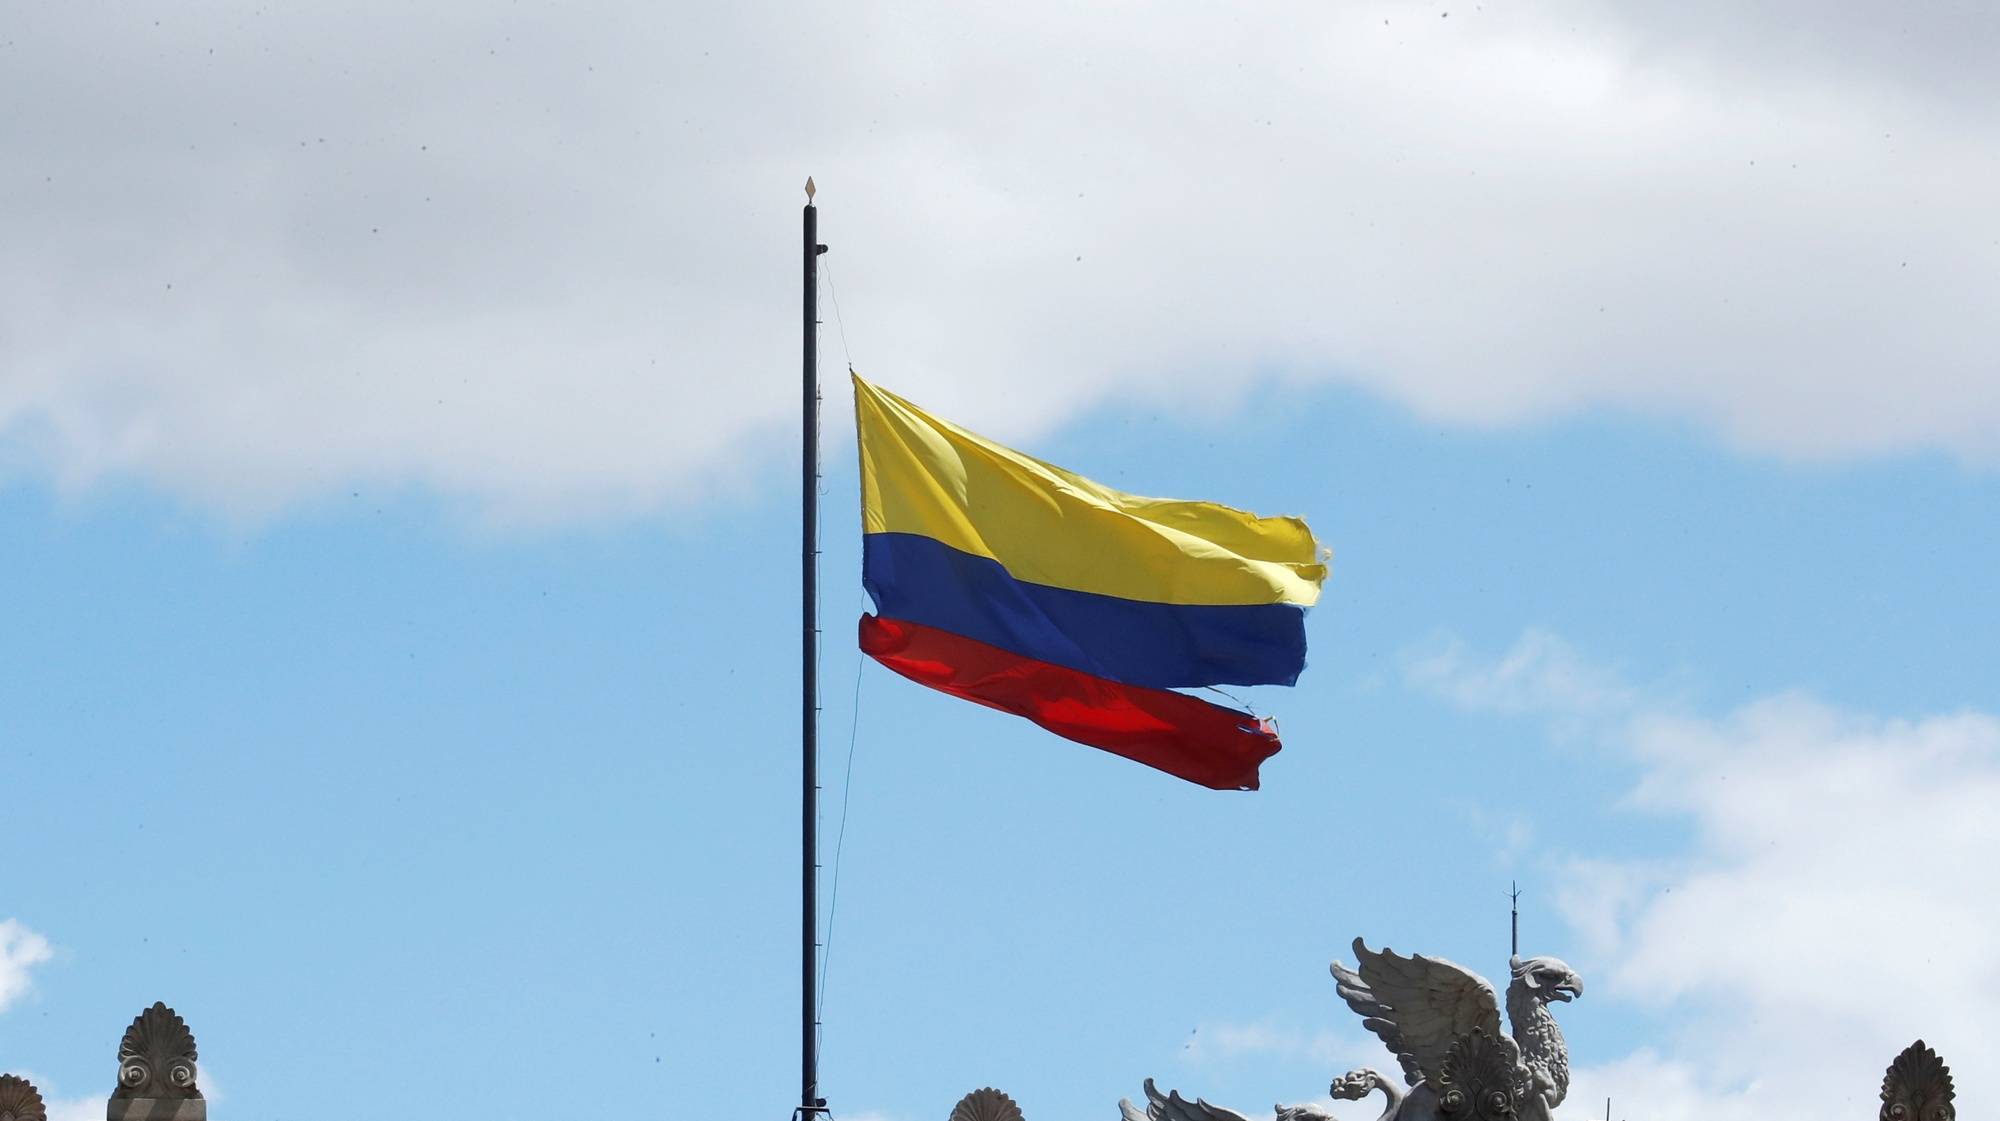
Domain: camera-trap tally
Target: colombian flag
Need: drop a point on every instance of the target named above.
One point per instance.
(1014, 583)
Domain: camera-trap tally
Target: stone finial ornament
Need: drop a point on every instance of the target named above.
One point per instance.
(986, 1104)
(156, 1071)
(1917, 1087)
(20, 1101)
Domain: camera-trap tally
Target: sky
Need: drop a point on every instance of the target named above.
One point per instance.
(398, 523)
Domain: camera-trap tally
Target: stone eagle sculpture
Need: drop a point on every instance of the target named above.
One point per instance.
(1442, 1022)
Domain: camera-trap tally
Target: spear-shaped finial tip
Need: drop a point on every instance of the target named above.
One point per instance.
(809, 189)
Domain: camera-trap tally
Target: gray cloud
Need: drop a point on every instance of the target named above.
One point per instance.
(543, 258)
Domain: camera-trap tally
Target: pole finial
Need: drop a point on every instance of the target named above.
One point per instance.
(1514, 918)
(810, 189)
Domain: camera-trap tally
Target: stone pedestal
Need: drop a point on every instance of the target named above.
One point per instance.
(158, 1109)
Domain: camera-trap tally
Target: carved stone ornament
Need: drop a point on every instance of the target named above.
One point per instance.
(20, 1101)
(156, 1071)
(1482, 1079)
(1917, 1087)
(986, 1104)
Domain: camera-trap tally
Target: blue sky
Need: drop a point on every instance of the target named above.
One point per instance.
(378, 785)
(397, 512)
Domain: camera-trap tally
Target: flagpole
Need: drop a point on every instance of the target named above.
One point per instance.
(810, 1102)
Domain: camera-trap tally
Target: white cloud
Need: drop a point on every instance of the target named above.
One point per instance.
(1835, 903)
(76, 1109)
(21, 950)
(1223, 1042)
(543, 257)
(1838, 901)
(1540, 675)
(1644, 1086)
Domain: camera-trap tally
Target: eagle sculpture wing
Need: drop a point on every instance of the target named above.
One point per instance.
(1417, 1006)
(1173, 1107)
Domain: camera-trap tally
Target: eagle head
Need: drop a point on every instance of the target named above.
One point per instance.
(1547, 979)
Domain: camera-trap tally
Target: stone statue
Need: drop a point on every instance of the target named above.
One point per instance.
(156, 1071)
(1917, 1087)
(1173, 1107)
(1442, 1022)
(20, 1101)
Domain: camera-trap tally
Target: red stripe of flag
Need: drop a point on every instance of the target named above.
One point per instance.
(1184, 736)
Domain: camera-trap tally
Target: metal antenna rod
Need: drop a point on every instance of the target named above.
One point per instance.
(1514, 915)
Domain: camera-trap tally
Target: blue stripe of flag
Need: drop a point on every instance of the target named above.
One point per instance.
(1158, 645)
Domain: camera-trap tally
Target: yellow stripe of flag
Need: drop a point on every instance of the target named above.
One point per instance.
(927, 476)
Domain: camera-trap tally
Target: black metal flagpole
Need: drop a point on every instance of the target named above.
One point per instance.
(810, 1102)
